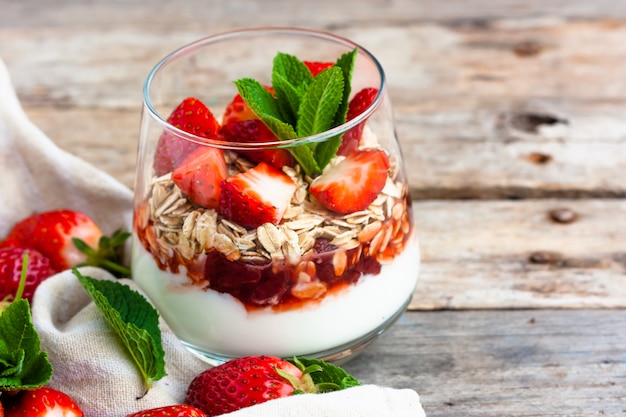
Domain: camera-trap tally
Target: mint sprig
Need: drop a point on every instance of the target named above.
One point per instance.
(134, 320)
(303, 105)
(22, 363)
(290, 78)
(320, 102)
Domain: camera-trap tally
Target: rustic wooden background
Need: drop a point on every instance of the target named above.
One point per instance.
(505, 112)
(512, 117)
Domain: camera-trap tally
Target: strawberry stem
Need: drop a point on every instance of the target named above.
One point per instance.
(107, 255)
(117, 269)
(23, 274)
(305, 385)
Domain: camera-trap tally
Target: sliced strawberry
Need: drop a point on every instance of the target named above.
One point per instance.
(255, 131)
(238, 110)
(359, 103)
(259, 195)
(51, 234)
(353, 183)
(191, 116)
(316, 66)
(200, 175)
(41, 402)
(180, 410)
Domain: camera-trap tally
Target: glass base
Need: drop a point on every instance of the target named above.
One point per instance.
(338, 355)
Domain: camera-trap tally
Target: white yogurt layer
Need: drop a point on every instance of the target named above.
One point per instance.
(218, 323)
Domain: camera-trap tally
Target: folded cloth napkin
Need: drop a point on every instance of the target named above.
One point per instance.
(89, 362)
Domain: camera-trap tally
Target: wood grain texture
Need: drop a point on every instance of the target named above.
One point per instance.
(512, 254)
(514, 103)
(526, 363)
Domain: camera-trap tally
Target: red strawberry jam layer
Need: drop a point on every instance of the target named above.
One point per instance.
(279, 283)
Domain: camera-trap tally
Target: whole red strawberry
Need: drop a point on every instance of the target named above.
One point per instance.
(191, 116)
(51, 233)
(244, 382)
(359, 103)
(41, 402)
(180, 410)
(11, 261)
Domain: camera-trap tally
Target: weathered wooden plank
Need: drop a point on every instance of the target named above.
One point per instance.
(507, 109)
(449, 168)
(509, 363)
(172, 16)
(511, 254)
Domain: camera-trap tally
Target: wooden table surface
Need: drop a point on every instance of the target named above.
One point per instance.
(512, 119)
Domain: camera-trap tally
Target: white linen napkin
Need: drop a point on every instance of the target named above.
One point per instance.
(89, 363)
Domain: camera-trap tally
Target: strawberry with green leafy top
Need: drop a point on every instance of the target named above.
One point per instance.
(200, 176)
(259, 195)
(251, 380)
(41, 402)
(51, 234)
(69, 238)
(354, 183)
(178, 410)
(191, 116)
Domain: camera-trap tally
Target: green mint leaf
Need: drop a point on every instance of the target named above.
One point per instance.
(263, 104)
(304, 155)
(326, 376)
(325, 151)
(346, 63)
(288, 98)
(134, 320)
(317, 113)
(290, 78)
(292, 69)
(320, 103)
(22, 363)
(260, 101)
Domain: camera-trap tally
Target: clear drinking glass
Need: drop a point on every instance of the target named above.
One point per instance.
(317, 280)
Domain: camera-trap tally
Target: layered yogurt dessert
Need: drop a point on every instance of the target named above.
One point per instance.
(253, 243)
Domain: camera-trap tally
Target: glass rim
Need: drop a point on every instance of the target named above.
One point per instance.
(266, 30)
